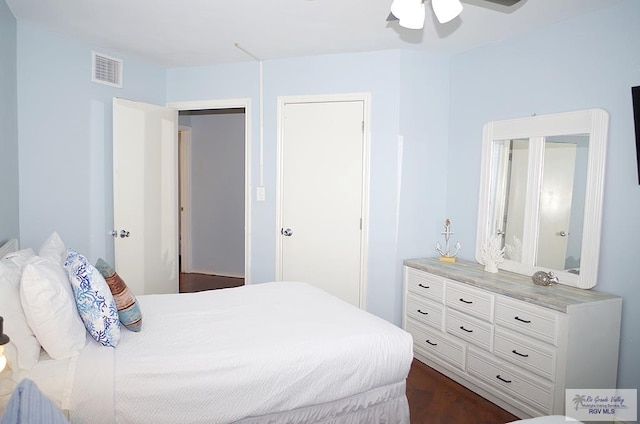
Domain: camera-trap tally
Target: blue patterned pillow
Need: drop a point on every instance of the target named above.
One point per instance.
(94, 299)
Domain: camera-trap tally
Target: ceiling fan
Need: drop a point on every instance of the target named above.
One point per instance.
(411, 13)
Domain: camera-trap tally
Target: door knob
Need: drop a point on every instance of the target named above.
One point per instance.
(287, 232)
(123, 233)
(562, 233)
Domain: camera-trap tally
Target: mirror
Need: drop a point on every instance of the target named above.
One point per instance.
(541, 186)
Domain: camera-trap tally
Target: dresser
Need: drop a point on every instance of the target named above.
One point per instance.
(516, 344)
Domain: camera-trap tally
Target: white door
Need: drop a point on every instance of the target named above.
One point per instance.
(555, 204)
(145, 196)
(321, 196)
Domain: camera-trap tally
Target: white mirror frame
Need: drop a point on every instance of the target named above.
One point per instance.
(593, 122)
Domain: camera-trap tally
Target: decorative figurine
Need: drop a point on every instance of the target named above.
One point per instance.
(492, 253)
(542, 278)
(446, 255)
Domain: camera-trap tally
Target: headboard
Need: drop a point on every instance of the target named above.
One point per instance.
(10, 246)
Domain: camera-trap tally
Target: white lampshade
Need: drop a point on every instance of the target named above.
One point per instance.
(446, 10)
(410, 13)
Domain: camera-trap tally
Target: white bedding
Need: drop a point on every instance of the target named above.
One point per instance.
(227, 355)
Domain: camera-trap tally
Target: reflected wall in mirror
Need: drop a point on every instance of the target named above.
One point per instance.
(541, 189)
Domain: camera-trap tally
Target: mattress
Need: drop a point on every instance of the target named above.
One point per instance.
(234, 355)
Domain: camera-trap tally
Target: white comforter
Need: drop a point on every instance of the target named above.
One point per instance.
(225, 355)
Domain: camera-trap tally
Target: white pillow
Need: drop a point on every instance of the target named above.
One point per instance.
(24, 349)
(49, 307)
(54, 248)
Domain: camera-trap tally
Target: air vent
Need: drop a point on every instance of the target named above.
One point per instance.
(107, 70)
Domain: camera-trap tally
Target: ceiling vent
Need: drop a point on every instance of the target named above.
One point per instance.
(107, 70)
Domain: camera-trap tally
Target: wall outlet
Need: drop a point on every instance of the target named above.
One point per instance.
(260, 194)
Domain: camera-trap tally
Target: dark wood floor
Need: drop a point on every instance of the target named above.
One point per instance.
(190, 283)
(436, 399)
(433, 397)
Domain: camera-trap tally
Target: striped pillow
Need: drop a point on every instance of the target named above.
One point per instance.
(128, 307)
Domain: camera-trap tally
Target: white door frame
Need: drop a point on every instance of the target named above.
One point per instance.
(364, 234)
(231, 104)
(184, 146)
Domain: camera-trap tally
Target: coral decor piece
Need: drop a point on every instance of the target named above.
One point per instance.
(492, 254)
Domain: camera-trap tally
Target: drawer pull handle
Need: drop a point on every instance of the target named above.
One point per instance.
(526, 321)
(423, 286)
(502, 379)
(464, 329)
(423, 313)
(468, 302)
(432, 344)
(520, 354)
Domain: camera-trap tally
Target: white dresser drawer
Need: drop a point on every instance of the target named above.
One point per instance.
(511, 341)
(524, 386)
(478, 303)
(424, 284)
(437, 343)
(424, 310)
(525, 318)
(470, 329)
(526, 353)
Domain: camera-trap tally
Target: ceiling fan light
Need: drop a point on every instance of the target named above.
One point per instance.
(416, 20)
(446, 10)
(410, 13)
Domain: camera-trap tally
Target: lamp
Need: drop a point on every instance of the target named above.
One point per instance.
(446, 10)
(4, 339)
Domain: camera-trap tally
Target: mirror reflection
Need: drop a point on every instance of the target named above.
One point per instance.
(563, 160)
(541, 193)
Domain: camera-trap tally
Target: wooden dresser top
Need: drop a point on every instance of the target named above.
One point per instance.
(557, 296)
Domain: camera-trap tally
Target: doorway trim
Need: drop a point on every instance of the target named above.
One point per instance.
(365, 98)
(184, 235)
(232, 104)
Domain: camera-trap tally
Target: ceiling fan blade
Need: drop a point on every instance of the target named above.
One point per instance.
(504, 2)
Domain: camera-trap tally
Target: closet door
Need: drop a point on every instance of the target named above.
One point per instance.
(321, 182)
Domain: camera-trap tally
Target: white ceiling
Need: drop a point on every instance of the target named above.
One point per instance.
(202, 32)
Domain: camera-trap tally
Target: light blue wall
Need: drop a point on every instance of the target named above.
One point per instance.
(65, 139)
(592, 61)
(423, 116)
(9, 218)
(382, 75)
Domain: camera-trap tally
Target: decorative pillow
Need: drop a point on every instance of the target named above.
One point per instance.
(53, 248)
(23, 351)
(94, 300)
(49, 308)
(128, 308)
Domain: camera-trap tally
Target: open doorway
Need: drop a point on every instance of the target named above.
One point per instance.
(212, 150)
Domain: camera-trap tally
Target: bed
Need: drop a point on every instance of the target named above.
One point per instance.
(278, 352)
